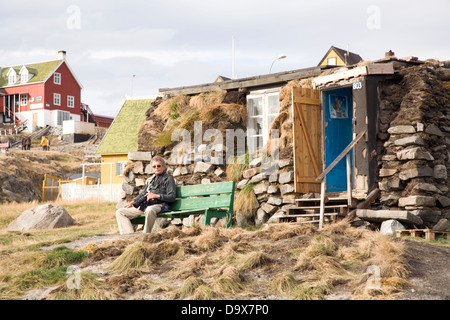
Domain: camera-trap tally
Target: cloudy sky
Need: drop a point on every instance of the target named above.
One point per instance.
(172, 43)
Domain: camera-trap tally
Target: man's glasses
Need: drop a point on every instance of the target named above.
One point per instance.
(157, 166)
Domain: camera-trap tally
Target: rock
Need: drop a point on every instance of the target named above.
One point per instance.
(261, 217)
(443, 201)
(139, 156)
(138, 167)
(40, 294)
(414, 154)
(401, 129)
(255, 163)
(286, 177)
(42, 217)
(440, 172)
(275, 201)
(442, 225)
(241, 184)
(389, 227)
(417, 201)
(257, 178)
(202, 167)
(433, 129)
(272, 189)
(268, 208)
(415, 173)
(379, 216)
(273, 177)
(387, 172)
(249, 173)
(286, 188)
(261, 187)
(408, 141)
(129, 189)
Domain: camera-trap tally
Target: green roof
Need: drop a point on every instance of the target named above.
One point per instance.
(122, 135)
(42, 71)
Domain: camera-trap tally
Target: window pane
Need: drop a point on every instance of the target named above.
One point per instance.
(255, 106)
(274, 104)
(256, 123)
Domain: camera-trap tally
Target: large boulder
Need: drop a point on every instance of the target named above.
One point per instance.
(42, 217)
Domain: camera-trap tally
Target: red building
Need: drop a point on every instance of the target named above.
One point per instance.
(41, 94)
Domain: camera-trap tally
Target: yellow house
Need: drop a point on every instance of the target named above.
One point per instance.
(121, 138)
(339, 57)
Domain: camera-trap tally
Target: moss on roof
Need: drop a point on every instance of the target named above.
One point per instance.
(40, 70)
(122, 136)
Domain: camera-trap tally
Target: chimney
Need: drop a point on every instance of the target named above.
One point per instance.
(62, 55)
(389, 54)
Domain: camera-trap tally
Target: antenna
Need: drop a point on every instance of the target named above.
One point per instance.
(232, 59)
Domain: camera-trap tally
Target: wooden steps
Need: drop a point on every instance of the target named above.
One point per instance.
(308, 210)
(426, 233)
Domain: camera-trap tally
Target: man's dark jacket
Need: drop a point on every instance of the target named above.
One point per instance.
(164, 186)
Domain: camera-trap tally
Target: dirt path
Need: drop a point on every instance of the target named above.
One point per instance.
(430, 272)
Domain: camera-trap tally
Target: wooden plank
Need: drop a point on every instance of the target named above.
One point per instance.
(201, 202)
(355, 72)
(380, 68)
(205, 189)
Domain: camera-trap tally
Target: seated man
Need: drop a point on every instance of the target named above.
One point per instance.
(159, 191)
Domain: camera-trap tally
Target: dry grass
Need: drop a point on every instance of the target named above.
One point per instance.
(246, 204)
(285, 261)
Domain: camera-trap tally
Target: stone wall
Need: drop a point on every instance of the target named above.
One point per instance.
(273, 182)
(414, 142)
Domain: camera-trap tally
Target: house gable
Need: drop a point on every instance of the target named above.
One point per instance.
(122, 135)
(42, 70)
(341, 57)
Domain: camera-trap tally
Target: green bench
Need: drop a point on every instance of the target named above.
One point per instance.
(212, 200)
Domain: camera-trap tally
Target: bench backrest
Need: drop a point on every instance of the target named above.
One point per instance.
(210, 195)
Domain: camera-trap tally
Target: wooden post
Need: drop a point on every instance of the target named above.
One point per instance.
(322, 202)
(349, 179)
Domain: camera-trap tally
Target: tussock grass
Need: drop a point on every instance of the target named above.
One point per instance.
(189, 286)
(91, 288)
(284, 284)
(208, 239)
(251, 260)
(135, 256)
(245, 204)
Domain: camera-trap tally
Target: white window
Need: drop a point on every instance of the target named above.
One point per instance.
(57, 78)
(12, 78)
(23, 99)
(120, 166)
(56, 99)
(24, 77)
(332, 61)
(262, 110)
(70, 101)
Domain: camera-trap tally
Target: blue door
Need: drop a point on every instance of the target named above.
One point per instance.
(338, 105)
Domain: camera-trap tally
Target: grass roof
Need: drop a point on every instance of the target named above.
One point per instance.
(40, 70)
(122, 136)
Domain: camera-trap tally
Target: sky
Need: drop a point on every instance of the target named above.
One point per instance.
(133, 48)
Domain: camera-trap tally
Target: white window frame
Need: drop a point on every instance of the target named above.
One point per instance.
(120, 166)
(12, 78)
(57, 99)
(24, 77)
(332, 61)
(23, 99)
(70, 101)
(57, 78)
(252, 135)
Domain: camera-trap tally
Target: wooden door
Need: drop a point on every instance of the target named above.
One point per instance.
(306, 139)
